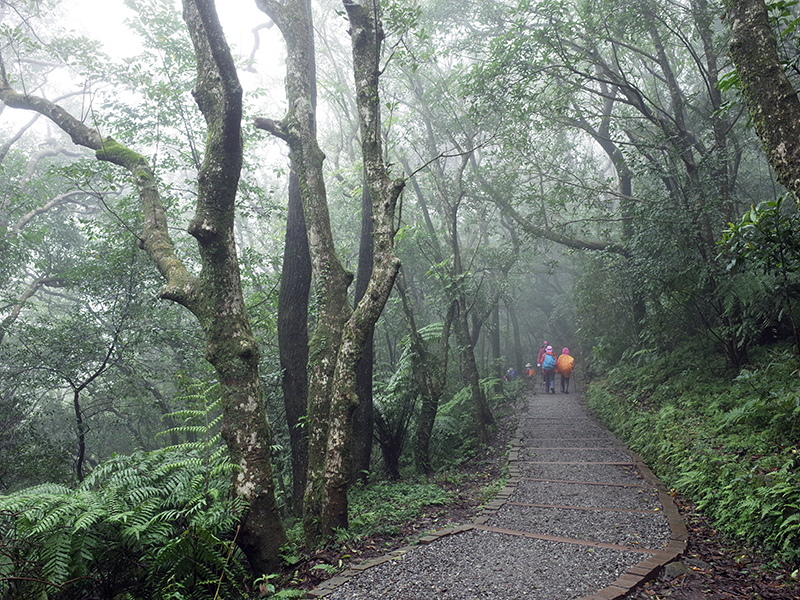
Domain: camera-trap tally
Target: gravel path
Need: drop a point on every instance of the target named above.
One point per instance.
(581, 518)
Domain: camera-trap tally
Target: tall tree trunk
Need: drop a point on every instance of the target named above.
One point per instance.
(366, 36)
(772, 101)
(231, 345)
(331, 280)
(338, 340)
(362, 417)
(293, 336)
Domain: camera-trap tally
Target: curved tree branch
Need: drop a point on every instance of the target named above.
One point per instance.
(155, 236)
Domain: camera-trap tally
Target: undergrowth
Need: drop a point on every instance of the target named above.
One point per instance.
(383, 507)
(163, 524)
(729, 442)
(146, 525)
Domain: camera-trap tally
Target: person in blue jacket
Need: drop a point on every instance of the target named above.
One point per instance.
(549, 370)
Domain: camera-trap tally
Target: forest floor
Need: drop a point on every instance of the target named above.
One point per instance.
(716, 568)
(712, 568)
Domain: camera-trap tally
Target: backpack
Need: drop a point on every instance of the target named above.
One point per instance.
(549, 362)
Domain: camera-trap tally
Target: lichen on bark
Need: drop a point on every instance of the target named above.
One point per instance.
(772, 101)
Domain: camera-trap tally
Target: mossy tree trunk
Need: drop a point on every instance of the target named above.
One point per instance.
(366, 35)
(341, 332)
(215, 295)
(772, 101)
(298, 129)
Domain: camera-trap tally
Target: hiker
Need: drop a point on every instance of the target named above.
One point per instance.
(564, 367)
(511, 373)
(540, 358)
(530, 373)
(549, 370)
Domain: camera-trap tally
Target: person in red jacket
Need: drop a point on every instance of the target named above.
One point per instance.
(564, 367)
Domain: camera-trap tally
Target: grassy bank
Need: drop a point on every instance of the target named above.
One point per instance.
(728, 441)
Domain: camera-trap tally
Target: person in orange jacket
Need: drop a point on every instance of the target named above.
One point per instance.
(564, 367)
(530, 373)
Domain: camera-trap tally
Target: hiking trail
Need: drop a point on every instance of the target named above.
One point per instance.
(580, 518)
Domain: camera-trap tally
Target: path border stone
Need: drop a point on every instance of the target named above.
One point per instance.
(633, 578)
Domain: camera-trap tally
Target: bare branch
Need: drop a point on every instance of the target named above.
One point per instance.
(57, 201)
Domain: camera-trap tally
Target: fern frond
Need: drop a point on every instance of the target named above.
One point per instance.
(57, 557)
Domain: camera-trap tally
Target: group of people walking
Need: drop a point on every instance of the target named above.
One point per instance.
(550, 365)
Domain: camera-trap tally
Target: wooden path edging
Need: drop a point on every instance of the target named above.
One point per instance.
(634, 577)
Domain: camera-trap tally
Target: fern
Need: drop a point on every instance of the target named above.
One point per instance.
(57, 557)
(164, 518)
(730, 446)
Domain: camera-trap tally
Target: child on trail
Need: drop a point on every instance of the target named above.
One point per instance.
(564, 367)
(530, 373)
(549, 370)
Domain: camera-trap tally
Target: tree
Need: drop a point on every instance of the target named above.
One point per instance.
(450, 192)
(293, 336)
(469, 367)
(337, 344)
(80, 349)
(215, 295)
(771, 99)
(767, 236)
(638, 83)
(363, 415)
(367, 35)
(430, 370)
(298, 129)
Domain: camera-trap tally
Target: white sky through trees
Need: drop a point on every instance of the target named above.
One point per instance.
(104, 20)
